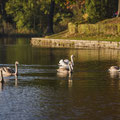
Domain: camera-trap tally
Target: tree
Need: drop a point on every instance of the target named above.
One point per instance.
(61, 3)
(3, 15)
(118, 8)
(2, 8)
(77, 8)
(28, 15)
(99, 10)
(50, 18)
(35, 14)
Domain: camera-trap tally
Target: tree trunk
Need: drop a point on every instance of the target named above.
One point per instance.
(118, 8)
(50, 18)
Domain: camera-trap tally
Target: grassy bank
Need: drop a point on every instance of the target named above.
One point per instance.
(92, 35)
(99, 37)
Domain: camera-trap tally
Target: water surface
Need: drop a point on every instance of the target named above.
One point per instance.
(40, 93)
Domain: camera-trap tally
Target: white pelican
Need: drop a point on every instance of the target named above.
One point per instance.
(64, 63)
(7, 71)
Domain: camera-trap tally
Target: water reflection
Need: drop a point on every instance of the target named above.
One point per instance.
(16, 80)
(64, 74)
(7, 80)
(1, 86)
(67, 75)
(114, 74)
(70, 81)
(40, 92)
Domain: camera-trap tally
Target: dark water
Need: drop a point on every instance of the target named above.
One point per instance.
(39, 93)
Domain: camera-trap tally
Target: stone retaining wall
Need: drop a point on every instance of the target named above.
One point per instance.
(63, 43)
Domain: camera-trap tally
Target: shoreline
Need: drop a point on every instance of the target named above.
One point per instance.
(64, 43)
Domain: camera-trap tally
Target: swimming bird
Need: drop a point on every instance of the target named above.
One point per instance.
(64, 72)
(7, 71)
(64, 63)
(114, 69)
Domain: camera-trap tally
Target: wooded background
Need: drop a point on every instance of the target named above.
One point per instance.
(52, 16)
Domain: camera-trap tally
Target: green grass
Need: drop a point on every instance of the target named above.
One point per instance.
(59, 35)
(100, 37)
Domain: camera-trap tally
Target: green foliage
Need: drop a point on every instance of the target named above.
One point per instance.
(28, 15)
(32, 15)
(98, 10)
(92, 9)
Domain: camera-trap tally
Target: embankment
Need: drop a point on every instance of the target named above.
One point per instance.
(64, 43)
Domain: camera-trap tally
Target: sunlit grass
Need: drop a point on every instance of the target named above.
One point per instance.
(91, 36)
(98, 37)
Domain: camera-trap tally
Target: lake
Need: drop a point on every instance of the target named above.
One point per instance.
(40, 93)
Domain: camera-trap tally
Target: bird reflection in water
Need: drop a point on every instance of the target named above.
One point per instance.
(16, 80)
(70, 82)
(115, 81)
(114, 74)
(68, 75)
(3, 81)
(1, 86)
(63, 72)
